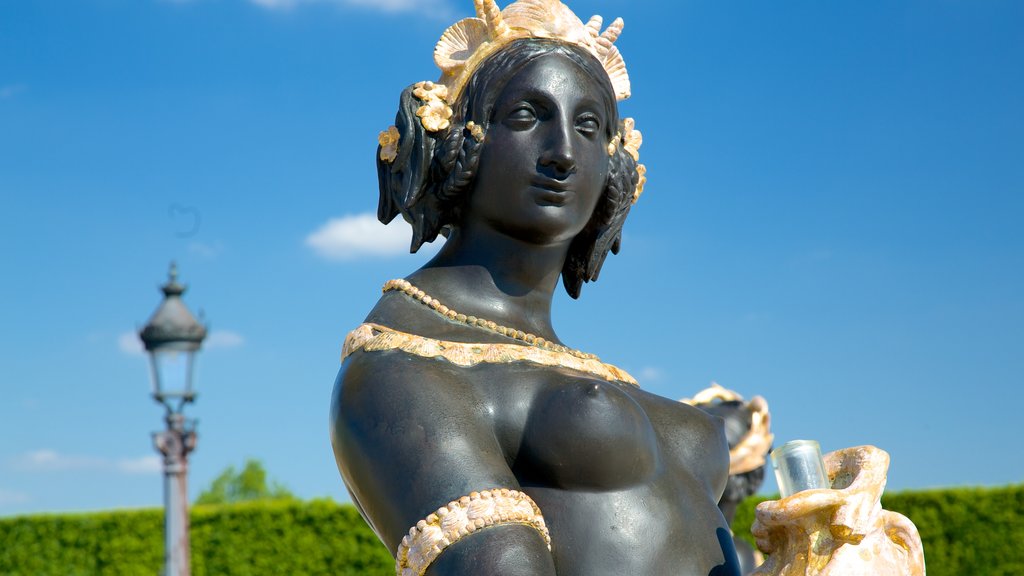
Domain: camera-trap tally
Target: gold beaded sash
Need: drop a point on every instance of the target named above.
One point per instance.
(375, 338)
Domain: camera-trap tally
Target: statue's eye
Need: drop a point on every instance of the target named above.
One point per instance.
(522, 116)
(588, 124)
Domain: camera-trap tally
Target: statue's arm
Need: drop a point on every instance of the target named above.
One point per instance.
(411, 435)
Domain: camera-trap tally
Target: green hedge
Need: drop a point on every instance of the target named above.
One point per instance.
(251, 539)
(966, 532)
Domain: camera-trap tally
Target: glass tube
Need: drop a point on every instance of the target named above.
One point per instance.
(798, 467)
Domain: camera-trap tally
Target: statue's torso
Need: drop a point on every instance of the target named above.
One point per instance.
(627, 481)
(621, 475)
(613, 469)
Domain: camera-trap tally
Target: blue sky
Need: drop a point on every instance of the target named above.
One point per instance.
(832, 220)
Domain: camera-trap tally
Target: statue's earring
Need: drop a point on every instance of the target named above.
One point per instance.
(475, 130)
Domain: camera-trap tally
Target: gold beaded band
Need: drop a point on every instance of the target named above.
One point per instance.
(431, 302)
(460, 518)
(377, 338)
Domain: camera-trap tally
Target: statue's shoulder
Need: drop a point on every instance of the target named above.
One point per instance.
(380, 364)
(398, 419)
(389, 366)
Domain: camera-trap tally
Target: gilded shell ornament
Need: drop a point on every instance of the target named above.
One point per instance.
(388, 141)
(434, 115)
(641, 170)
(467, 43)
(632, 139)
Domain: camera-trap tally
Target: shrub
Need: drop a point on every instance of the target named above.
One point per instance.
(247, 539)
(965, 531)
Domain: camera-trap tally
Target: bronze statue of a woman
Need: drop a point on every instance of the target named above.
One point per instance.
(472, 440)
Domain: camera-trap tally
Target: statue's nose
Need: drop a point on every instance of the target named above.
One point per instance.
(559, 158)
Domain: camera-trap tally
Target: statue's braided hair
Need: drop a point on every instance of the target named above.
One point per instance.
(456, 168)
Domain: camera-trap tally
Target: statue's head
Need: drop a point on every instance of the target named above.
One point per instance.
(748, 432)
(460, 140)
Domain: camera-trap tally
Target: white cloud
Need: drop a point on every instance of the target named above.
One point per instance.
(207, 251)
(130, 344)
(223, 339)
(649, 374)
(383, 5)
(52, 461)
(11, 90)
(8, 497)
(361, 235)
(142, 465)
(275, 4)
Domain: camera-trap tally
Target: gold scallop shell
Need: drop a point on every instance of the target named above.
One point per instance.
(594, 26)
(616, 68)
(466, 44)
(547, 19)
(458, 43)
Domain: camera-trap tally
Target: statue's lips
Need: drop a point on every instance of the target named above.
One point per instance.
(552, 192)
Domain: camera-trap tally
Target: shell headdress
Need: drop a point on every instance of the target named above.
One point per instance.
(467, 43)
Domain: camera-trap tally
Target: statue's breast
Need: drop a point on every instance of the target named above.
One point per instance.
(586, 434)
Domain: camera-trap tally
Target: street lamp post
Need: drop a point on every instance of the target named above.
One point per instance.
(172, 337)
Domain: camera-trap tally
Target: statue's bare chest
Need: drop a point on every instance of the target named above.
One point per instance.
(607, 466)
(577, 433)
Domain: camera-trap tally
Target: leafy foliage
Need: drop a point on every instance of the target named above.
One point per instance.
(109, 543)
(247, 485)
(285, 537)
(966, 532)
(247, 539)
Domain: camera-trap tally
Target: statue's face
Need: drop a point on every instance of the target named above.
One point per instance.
(544, 162)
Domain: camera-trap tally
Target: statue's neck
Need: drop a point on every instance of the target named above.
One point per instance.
(484, 273)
